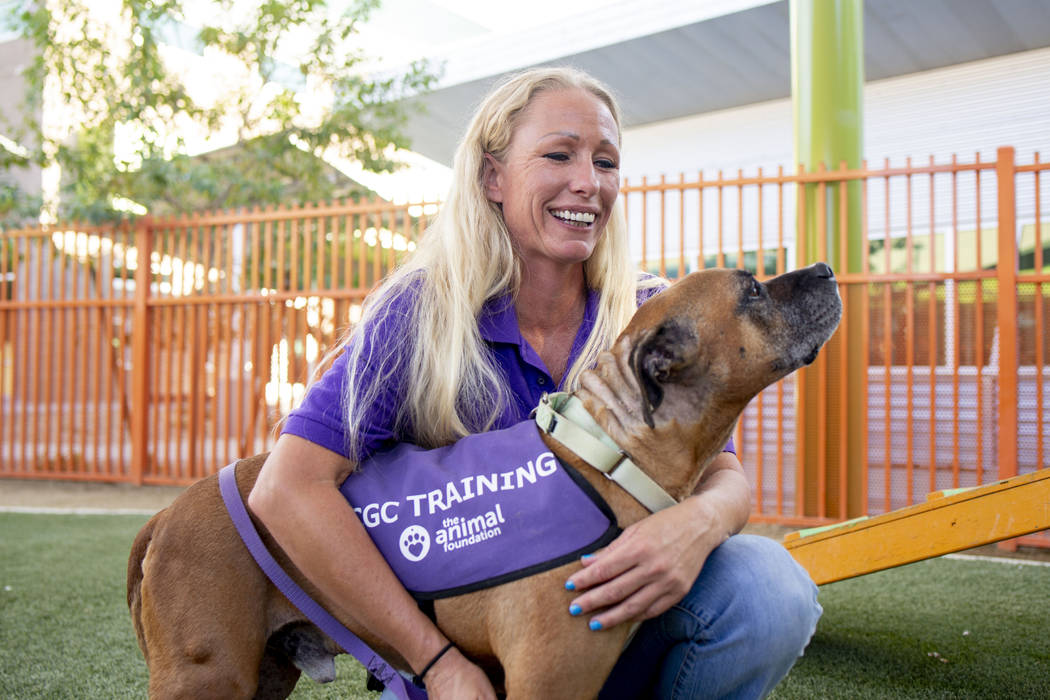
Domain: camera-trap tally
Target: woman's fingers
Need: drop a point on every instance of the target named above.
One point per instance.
(633, 595)
(641, 574)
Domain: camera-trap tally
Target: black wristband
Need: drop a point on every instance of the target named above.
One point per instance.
(418, 678)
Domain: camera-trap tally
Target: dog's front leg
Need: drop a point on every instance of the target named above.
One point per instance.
(546, 652)
(572, 667)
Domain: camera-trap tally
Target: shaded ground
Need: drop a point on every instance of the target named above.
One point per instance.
(44, 493)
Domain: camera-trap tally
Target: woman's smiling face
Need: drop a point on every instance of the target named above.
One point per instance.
(559, 179)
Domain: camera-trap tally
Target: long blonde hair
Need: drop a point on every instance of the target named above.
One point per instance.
(450, 385)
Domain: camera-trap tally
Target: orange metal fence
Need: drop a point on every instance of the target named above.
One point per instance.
(160, 352)
(953, 303)
(117, 369)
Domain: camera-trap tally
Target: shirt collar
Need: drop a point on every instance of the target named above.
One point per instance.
(498, 320)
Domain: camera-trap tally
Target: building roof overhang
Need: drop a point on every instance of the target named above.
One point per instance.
(685, 58)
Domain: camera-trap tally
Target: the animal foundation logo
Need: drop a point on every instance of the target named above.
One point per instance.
(447, 518)
(459, 532)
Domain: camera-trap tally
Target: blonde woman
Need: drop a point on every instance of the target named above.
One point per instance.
(523, 279)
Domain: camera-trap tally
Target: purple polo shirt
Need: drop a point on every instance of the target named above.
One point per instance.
(319, 418)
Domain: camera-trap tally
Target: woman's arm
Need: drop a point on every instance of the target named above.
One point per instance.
(653, 564)
(297, 498)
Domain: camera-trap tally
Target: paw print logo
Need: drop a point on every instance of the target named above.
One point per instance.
(415, 543)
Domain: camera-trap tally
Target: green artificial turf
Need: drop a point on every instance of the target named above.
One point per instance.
(65, 630)
(938, 629)
(944, 628)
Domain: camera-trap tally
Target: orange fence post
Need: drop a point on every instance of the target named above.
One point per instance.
(1006, 274)
(140, 353)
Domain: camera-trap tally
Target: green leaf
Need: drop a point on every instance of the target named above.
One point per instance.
(124, 82)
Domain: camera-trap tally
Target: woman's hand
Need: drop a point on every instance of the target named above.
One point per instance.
(645, 570)
(653, 564)
(454, 677)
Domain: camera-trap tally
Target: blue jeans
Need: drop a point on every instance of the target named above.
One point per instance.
(736, 634)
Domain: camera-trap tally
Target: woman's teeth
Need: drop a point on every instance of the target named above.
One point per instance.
(577, 217)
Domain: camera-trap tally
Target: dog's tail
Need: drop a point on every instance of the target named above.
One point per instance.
(138, 553)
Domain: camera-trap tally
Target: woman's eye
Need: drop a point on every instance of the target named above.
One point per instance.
(557, 156)
(605, 164)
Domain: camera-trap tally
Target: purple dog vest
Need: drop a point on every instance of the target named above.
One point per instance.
(492, 508)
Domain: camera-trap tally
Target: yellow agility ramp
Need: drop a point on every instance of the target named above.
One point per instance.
(949, 521)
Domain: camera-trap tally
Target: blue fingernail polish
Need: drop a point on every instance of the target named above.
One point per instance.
(587, 557)
(575, 609)
(570, 586)
(595, 625)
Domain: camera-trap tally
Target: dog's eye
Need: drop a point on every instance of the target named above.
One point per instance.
(756, 290)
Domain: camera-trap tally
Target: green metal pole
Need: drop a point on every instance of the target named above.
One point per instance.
(827, 81)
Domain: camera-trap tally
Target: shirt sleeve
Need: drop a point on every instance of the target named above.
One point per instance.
(649, 285)
(321, 416)
(730, 447)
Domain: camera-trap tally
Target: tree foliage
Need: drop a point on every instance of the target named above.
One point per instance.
(16, 207)
(293, 88)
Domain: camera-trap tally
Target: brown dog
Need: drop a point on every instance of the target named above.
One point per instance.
(210, 624)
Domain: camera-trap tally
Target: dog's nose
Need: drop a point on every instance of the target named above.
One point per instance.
(823, 270)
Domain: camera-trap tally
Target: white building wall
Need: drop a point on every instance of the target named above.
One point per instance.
(969, 110)
(962, 109)
(743, 137)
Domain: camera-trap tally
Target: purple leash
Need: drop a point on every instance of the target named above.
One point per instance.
(394, 681)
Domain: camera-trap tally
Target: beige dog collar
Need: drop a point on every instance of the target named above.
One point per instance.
(562, 416)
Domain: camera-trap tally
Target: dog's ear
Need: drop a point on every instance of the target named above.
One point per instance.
(657, 357)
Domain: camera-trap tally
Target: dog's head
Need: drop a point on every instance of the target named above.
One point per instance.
(718, 337)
